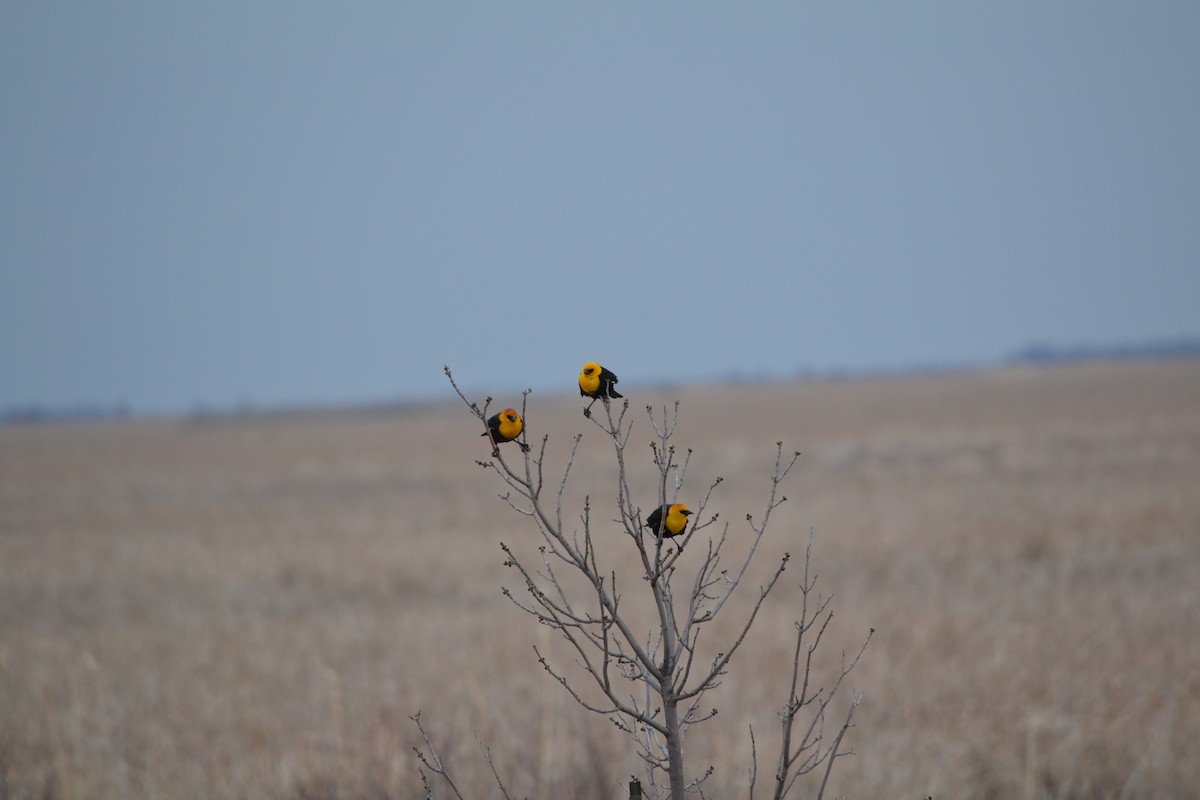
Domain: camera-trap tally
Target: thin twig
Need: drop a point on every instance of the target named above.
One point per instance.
(753, 763)
(433, 762)
(487, 756)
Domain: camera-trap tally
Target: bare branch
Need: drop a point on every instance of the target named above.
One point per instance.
(562, 486)
(722, 659)
(697, 785)
(811, 751)
(833, 749)
(474, 408)
(433, 762)
(487, 756)
(753, 763)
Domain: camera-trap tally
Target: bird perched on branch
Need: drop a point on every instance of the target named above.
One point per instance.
(504, 427)
(676, 520)
(597, 383)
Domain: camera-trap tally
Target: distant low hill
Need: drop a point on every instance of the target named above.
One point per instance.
(39, 413)
(1042, 353)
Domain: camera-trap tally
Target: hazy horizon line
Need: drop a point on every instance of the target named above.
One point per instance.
(1033, 353)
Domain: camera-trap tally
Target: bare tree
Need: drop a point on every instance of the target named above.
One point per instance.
(651, 683)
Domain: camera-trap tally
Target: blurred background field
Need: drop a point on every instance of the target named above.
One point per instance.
(253, 606)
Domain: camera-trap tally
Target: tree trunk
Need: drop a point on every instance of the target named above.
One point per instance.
(674, 746)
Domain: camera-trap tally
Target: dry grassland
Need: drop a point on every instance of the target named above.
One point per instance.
(252, 607)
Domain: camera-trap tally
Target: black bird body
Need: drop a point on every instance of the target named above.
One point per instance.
(595, 381)
(676, 515)
(505, 427)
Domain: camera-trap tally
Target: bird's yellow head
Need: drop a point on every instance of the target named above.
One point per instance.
(510, 423)
(589, 378)
(676, 519)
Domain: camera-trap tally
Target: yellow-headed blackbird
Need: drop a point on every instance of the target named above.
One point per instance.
(676, 514)
(597, 383)
(504, 427)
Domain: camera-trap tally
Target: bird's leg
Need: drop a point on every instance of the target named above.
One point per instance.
(587, 412)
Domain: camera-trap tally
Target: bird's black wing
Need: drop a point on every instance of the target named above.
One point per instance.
(607, 379)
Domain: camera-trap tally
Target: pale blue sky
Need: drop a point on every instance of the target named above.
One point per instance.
(293, 203)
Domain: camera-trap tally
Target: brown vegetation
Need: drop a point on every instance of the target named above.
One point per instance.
(253, 606)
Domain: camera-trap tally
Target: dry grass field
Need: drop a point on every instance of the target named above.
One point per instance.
(252, 607)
